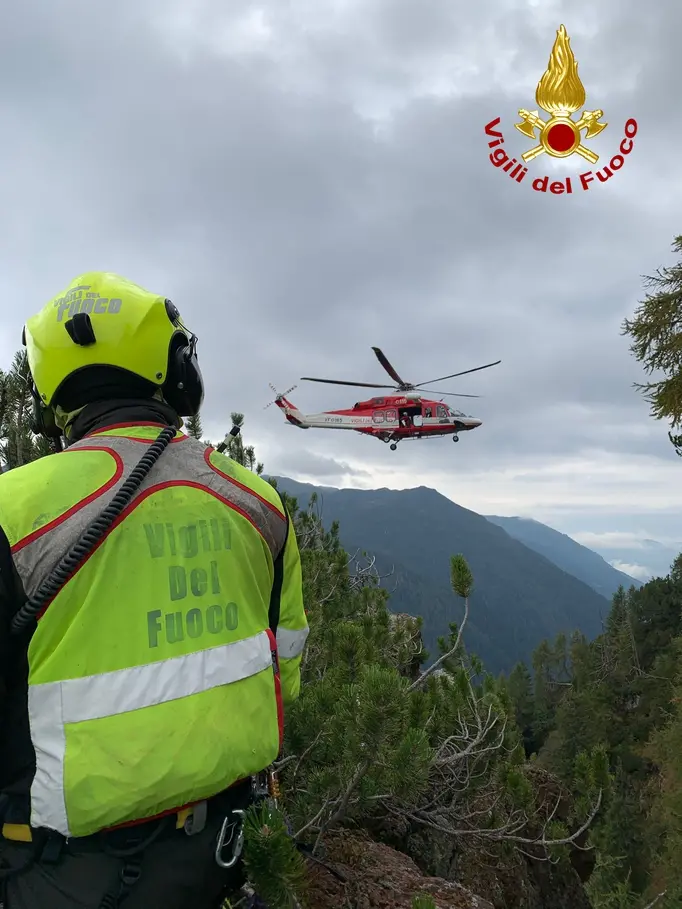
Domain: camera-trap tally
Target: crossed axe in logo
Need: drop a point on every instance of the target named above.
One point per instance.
(589, 121)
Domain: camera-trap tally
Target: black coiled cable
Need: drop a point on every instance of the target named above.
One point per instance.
(64, 569)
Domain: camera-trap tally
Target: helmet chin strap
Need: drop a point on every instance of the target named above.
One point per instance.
(65, 420)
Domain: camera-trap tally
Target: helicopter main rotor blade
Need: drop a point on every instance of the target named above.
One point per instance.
(381, 357)
(451, 394)
(339, 382)
(455, 374)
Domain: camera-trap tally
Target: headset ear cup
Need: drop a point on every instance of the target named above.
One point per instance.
(184, 385)
(42, 418)
(50, 428)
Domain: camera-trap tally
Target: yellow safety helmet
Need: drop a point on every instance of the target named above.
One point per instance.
(102, 321)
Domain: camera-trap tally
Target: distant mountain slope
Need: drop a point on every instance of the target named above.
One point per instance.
(568, 555)
(519, 598)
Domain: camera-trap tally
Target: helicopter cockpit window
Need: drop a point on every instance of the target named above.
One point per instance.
(441, 411)
(428, 413)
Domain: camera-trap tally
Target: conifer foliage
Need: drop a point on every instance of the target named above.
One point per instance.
(656, 335)
(194, 427)
(370, 744)
(620, 695)
(18, 443)
(274, 866)
(244, 455)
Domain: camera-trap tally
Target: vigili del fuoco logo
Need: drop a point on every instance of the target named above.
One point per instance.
(561, 94)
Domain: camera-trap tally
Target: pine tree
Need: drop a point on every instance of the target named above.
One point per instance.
(622, 699)
(618, 612)
(520, 686)
(656, 333)
(581, 661)
(618, 840)
(18, 443)
(246, 456)
(551, 679)
(193, 426)
(666, 749)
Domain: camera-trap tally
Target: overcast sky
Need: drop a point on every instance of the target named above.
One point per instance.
(306, 179)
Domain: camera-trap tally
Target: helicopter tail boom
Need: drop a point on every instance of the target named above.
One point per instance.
(292, 413)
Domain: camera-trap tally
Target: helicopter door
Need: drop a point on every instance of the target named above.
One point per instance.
(441, 413)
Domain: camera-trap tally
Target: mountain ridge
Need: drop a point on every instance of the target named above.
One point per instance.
(520, 597)
(569, 555)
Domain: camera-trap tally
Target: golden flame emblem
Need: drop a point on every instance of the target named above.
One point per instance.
(561, 93)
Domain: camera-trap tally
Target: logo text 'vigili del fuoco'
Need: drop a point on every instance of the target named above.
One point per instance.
(561, 94)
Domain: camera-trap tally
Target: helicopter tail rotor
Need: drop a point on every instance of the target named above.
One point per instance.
(279, 396)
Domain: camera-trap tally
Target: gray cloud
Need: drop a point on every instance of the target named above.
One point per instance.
(640, 572)
(313, 180)
(306, 465)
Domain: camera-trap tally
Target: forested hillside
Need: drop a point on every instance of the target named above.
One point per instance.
(520, 598)
(622, 691)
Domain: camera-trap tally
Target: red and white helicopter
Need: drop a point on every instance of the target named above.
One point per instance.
(391, 418)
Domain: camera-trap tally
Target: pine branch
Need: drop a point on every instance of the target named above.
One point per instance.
(275, 867)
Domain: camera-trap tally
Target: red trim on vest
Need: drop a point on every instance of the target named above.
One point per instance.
(278, 686)
(273, 508)
(34, 535)
(157, 817)
(103, 429)
(133, 505)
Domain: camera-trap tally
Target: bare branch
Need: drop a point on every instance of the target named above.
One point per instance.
(446, 656)
(284, 762)
(361, 770)
(655, 900)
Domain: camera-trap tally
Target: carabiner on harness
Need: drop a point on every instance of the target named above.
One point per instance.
(236, 838)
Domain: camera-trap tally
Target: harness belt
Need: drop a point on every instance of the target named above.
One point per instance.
(18, 833)
(128, 842)
(191, 817)
(184, 817)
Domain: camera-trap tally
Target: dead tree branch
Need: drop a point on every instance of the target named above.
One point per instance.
(446, 656)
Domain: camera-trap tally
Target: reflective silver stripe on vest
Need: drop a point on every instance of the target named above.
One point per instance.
(181, 460)
(290, 642)
(54, 705)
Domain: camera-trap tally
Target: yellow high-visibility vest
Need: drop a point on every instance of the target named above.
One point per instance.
(155, 677)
